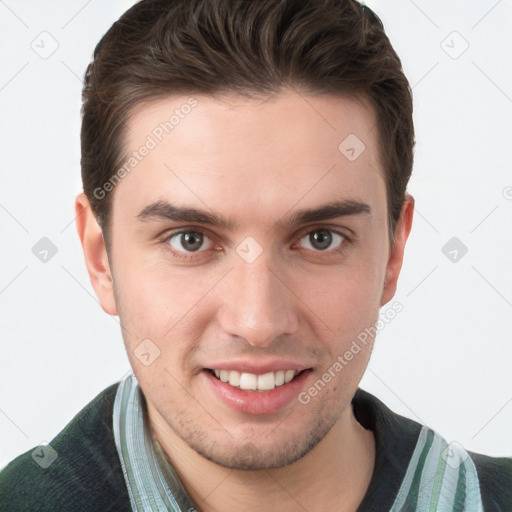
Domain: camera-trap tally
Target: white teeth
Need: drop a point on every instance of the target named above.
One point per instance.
(266, 381)
(288, 376)
(234, 378)
(250, 381)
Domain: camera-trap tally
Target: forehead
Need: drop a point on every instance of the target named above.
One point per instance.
(250, 156)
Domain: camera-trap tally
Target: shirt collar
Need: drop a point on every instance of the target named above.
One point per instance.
(415, 468)
(142, 459)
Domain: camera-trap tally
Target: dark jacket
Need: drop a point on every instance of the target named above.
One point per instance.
(87, 474)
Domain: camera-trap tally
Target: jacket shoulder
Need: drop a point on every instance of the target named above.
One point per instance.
(78, 470)
(495, 478)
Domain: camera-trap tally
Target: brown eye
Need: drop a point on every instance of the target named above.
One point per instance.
(322, 240)
(189, 241)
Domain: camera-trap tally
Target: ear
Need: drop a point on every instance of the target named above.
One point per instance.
(95, 254)
(403, 228)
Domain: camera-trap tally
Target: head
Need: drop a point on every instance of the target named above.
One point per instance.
(245, 168)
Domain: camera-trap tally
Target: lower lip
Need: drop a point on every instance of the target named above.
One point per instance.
(257, 402)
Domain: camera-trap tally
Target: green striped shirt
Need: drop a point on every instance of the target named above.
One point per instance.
(437, 476)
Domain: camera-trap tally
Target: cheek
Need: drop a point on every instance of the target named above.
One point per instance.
(153, 292)
(350, 308)
(158, 303)
(346, 297)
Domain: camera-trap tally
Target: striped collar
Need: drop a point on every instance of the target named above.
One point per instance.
(416, 469)
(439, 477)
(142, 458)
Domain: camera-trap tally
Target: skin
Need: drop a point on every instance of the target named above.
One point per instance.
(254, 162)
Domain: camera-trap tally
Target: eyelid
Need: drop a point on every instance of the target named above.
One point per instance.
(335, 229)
(167, 234)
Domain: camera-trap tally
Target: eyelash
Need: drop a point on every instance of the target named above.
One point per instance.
(166, 237)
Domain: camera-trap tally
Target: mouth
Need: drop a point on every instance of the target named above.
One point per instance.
(252, 382)
(255, 387)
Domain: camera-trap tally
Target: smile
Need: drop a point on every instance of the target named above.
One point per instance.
(255, 388)
(252, 382)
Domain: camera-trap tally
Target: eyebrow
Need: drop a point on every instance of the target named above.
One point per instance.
(163, 210)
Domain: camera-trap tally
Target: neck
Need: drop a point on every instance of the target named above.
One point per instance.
(334, 475)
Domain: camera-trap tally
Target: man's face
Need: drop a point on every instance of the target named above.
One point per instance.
(262, 294)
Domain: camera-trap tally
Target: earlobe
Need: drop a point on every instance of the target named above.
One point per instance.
(394, 265)
(95, 254)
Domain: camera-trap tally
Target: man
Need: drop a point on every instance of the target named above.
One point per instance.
(245, 214)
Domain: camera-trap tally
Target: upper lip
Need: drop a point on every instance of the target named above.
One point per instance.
(258, 368)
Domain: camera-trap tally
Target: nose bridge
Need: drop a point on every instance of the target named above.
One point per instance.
(258, 306)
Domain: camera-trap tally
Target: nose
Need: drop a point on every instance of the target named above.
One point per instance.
(258, 304)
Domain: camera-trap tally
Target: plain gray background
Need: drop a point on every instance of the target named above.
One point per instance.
(444, 360)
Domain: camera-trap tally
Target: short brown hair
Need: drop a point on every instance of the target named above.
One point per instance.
(249, 47)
